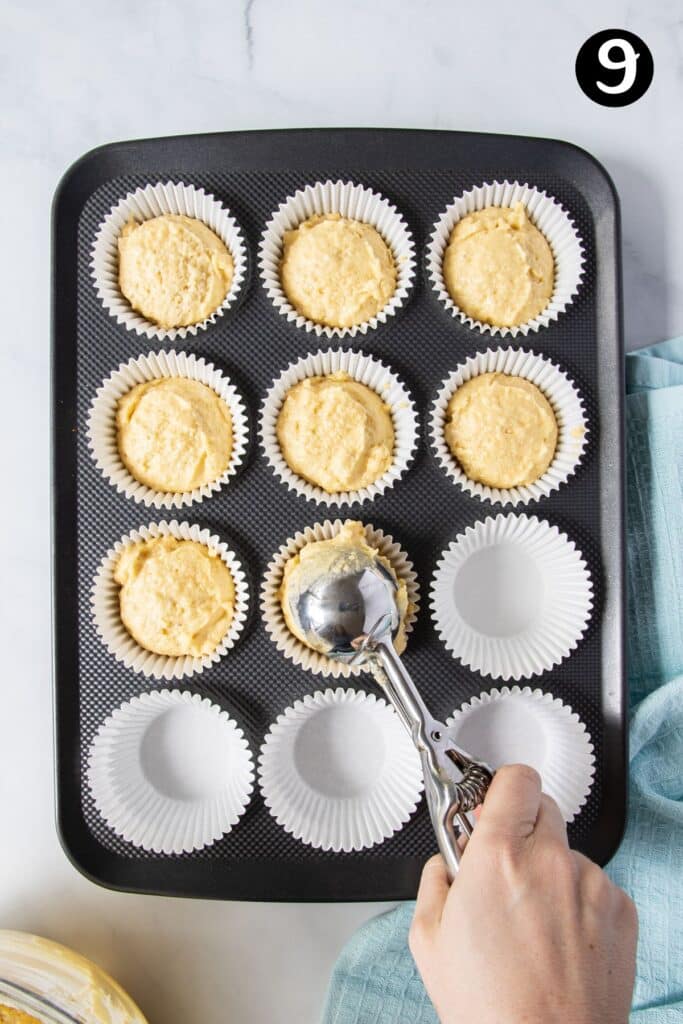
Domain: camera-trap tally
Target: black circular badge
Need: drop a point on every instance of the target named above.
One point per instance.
(614, 67)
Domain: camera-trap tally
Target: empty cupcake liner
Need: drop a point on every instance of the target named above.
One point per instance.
(144, 204)
(104, 600)
(170, 772)
(271, 609)
(355, 203)
(563, 396)
(365, 370)
(511, 597)
(339, 771)
(548, 216)
(103, 435)
(525, 726)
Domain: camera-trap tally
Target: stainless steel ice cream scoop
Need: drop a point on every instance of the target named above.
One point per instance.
(352, 615)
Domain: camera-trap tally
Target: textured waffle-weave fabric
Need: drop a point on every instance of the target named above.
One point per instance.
(375, 980)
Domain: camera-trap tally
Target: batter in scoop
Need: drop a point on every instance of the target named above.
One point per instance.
(340, 554)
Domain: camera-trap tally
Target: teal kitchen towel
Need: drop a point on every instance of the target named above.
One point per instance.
(375, 980)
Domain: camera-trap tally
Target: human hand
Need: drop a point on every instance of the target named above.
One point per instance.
(530, 931)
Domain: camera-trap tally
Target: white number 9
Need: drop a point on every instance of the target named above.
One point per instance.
(628, 64)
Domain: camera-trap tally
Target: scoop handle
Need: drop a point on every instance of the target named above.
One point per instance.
(430, 738)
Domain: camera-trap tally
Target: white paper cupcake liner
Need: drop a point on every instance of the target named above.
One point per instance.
(563, 396)
(103, 435)
(170, 772)
(144, 204)
(339, 771)
(525, 726)
(365, 370)
(106, 612)
(547, 215)
(511, 597)
(271, 608)
(355, 203)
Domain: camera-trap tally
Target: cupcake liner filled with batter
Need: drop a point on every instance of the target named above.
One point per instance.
(339, 772)
(173, 367)
(170, 772)
(529, 212)
(292, 646)
(516, 725)
(210, 643)
(185, 207)
(507, 366)
(331, 450)
(337, 286)
(511, 597)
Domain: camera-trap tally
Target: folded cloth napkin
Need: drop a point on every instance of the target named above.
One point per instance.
(375, 980)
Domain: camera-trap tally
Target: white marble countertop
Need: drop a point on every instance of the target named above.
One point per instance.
(75, 76)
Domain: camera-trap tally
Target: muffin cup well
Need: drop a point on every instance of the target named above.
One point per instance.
(106, 613)
(271, 608)
(339, 772)
(366, 370)
(551, 220)
(103, 435)
(355, 203)
(564, 398)
(166, 807)
(513, 726)
(144, 204)
(511, 597)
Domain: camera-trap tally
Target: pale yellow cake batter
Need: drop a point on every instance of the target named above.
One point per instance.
(174, 434)
(177, 597)
(8, 1015)
(60, 976)
(173, 269)
(336, 271)
(328, 557)
(498, 267)
(336, 433)
(501, 429)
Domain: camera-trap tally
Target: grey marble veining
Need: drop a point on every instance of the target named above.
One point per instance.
(74, 76)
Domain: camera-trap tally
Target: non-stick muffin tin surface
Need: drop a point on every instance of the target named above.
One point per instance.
(251, 174)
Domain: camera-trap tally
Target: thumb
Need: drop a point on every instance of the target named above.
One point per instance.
(512, 804)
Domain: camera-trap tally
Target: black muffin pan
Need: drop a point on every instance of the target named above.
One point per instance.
(252, 173)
